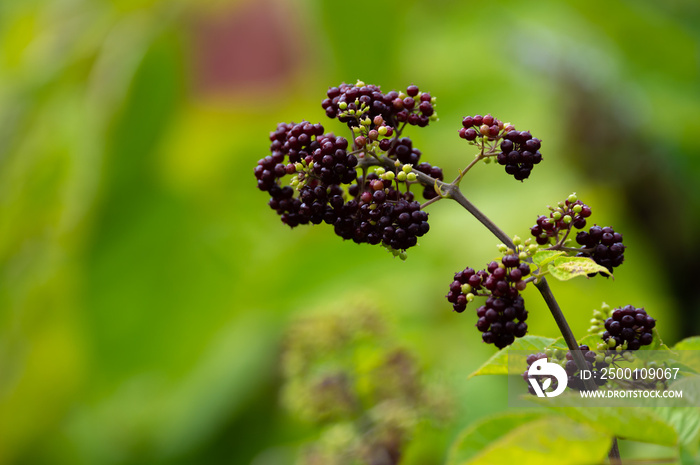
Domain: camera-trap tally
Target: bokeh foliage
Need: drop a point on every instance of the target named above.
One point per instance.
(145, 285)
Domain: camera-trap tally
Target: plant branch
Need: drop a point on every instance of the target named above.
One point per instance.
(452, 191)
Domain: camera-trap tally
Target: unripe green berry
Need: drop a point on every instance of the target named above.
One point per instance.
(470, 297)
(567, 219)
(608, 359)
(382, 130)
(502, 248)
(466, 288)
(389, 176)
(379, 171)
(577, 208)
(407, 168)
(401, 176)
(612, 343)
(572, 198)
(517, 240)
(343, 105)
(411, 177)
(556, 215)
(522, 255)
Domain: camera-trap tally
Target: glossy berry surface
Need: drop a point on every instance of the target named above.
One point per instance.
(603, 245)
(629, 325)
(519, 153)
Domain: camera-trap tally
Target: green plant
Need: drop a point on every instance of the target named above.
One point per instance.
(363, 189)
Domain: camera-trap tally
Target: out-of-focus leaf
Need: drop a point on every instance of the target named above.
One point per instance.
(548, 439)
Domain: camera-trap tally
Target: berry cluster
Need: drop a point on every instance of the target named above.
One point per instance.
(413, 106)
(501, 320)
(603, 245)
(381, 213)
(594, 363)
(486, 126)
(503, 316)
(570, 213)
(519, 153)
(377, 213)
(629, 327)
(295, 141)
(332, 163)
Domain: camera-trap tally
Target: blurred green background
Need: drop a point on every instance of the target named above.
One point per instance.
(145, 285)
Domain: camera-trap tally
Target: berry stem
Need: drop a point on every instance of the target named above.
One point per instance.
(614, 454)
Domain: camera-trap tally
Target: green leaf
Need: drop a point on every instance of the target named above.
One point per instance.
(478, 436)
(691, 343)
(616, 421)
(543, 257)
(550, 439)
(498, 363)
(565, 268)
(685, 355)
